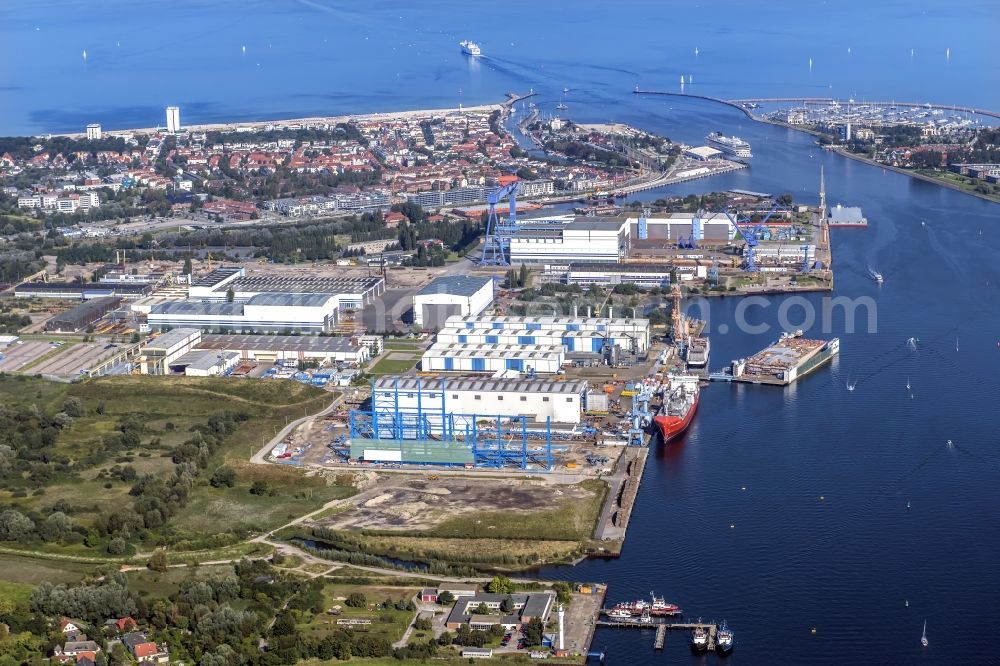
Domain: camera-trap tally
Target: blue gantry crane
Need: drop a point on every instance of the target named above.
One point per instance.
(751, 232)
(496, 249)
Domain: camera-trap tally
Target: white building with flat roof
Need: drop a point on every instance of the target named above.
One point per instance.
(157, 354)
(272, 312)
(573, 341)
(617, 328)
(451, 295)
(204, 363)
(669, 227)
(538, 399)
(94, 131)
(448, 357)
(272, 348)
(603, 239)
(703, 153)
(348, 292)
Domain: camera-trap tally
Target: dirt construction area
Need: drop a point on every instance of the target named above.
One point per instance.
(419, 504)
(316, 443)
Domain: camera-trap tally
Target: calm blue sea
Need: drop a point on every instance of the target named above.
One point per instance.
(322, 57)
(821, 536)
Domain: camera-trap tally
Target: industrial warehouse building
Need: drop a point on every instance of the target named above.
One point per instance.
(451, 295)
(83, 315)
(559, 241)
(204, 363)
(348, 293)
(668, 228)
(81, 291)
(600, 239)
(187, 351)
(466, 422)
(536, 399)
(643, 275)
(206, 287)
(636, 330)
(273, 348)
(493, 358)
(573, 341)
(158, 353)
(269, 312)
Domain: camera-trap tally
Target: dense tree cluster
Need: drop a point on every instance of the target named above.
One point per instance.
(93, 603)
(23, 147)
(579, 150)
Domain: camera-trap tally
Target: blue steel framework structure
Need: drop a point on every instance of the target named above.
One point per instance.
(749, 230)
(495, 440)
(496, 248)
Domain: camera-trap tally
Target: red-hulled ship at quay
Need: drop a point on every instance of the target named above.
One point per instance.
(680, 402)
(641, 607)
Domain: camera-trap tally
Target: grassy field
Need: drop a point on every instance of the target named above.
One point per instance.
(404, 345)
(522, 552)
(239, 510)
(389, 366)
(389, 624)
(573, 520)
(163, 584)
(169, 408)
(236, 551)
(24, 572)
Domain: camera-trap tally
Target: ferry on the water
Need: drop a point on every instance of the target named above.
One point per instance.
(470, 48)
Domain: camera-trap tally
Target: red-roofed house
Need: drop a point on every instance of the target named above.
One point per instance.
(394, 219)
(126, 624)
(67, 626)
(144, 649)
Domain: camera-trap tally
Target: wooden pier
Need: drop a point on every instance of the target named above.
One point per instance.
(662, 627)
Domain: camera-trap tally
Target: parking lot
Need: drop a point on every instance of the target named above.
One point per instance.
(54, 358)
(72, 359)
(16, 356)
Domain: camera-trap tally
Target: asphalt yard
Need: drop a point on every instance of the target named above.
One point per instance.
(16, 356)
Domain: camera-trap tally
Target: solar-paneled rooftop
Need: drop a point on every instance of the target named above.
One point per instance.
(285, 299)
(292, 284)
(462, 350)
(198, 308)
(409, 383)
(277, 343)
(216, 277)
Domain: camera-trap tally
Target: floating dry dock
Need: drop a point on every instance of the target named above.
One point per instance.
(783, 362)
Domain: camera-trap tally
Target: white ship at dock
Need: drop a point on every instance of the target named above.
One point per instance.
(732, 146)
